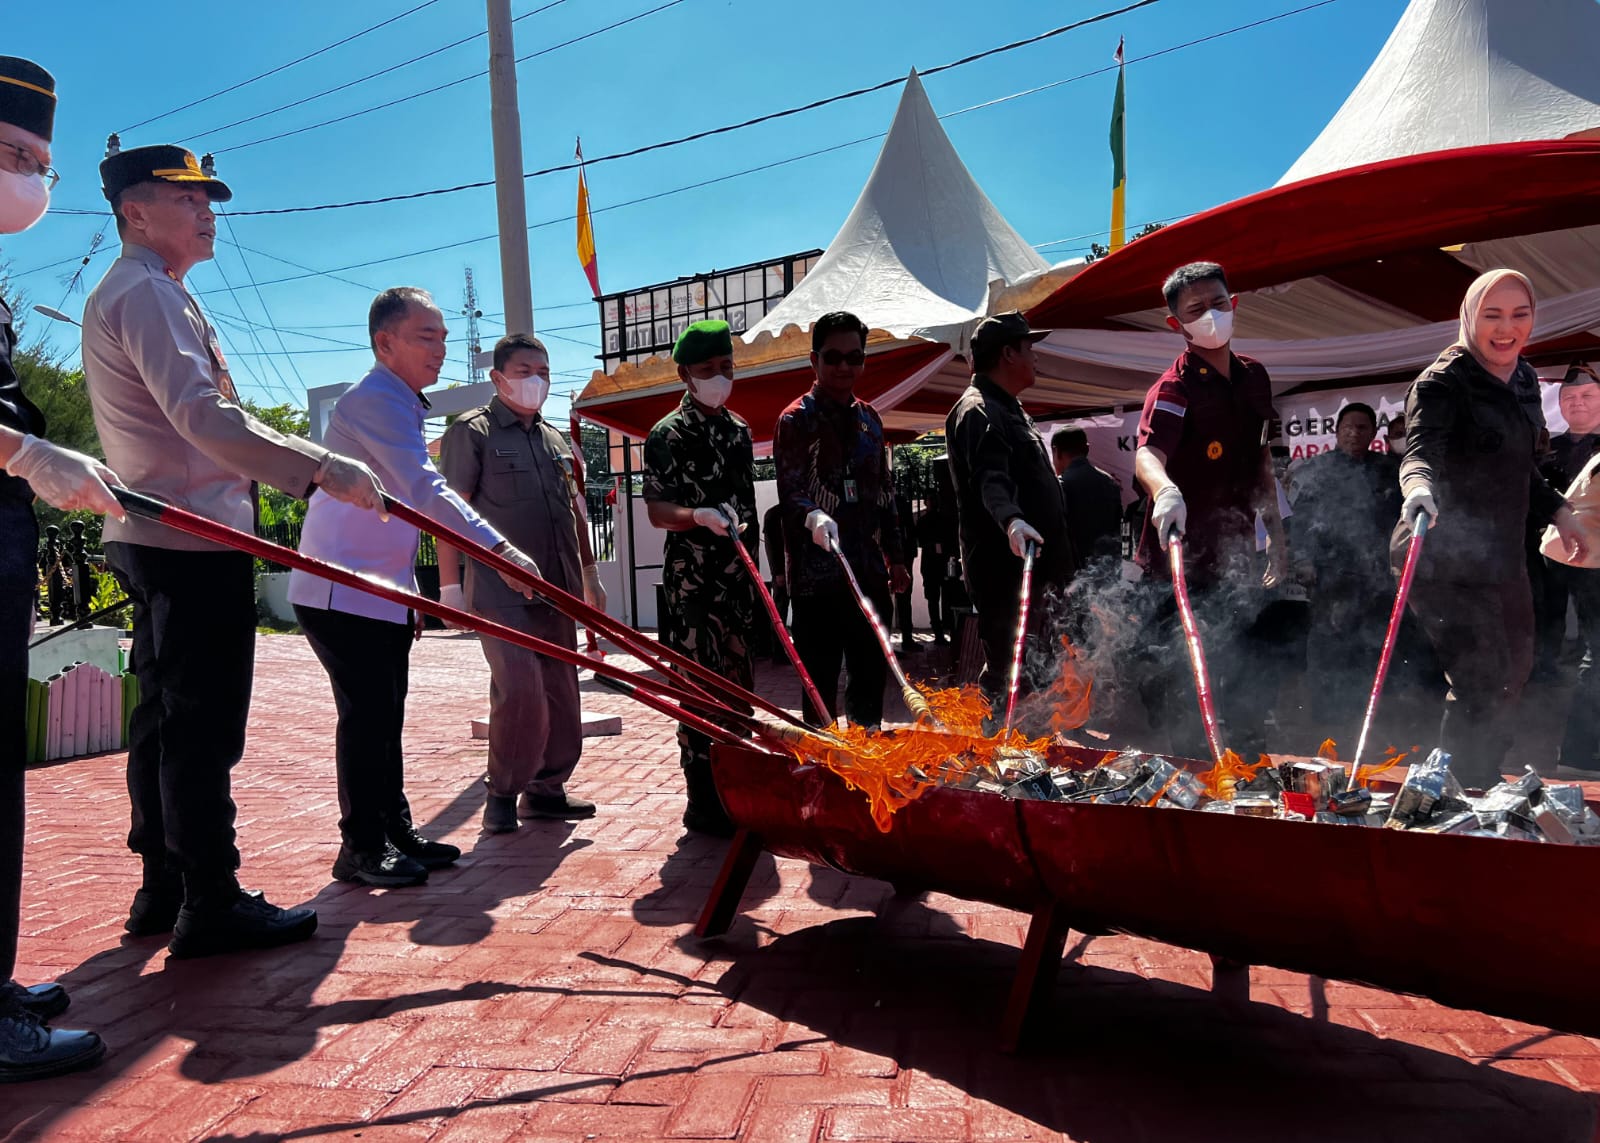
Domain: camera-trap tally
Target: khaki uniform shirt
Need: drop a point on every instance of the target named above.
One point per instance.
(165, 406)
(522, 482)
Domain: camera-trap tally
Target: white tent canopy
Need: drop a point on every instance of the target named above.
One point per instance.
(1463, 73)
(922, 247)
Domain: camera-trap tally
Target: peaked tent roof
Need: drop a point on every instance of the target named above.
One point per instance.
(1463, 73)
(922, 246)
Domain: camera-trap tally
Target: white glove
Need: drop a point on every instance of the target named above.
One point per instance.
(824, 530)
(1021, 534)
(65, 479)
(351, 481)
(1419, 502)
(715, 519)
(450, 595)
(594, 593)
(1169, 514)
(732, 512)
(506, 551)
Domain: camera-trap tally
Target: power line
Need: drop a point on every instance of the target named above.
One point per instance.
(706, 134)
(262, 301)
(452, 83)
(282, 67)
(370, 76)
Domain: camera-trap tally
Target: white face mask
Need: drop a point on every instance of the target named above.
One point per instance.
(23, 201)
(528, 392)
(713, 391)
(1211, 330)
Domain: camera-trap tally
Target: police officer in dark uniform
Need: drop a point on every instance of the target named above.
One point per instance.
(1007, 494)
(699, 486)
(29, 1049)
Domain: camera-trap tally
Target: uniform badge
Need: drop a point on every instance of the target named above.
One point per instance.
(1214, 450)
(850, 494)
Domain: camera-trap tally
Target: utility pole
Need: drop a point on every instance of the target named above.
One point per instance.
(472, 313)
(515, 276)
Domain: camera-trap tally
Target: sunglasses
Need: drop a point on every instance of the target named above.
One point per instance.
(833, 358)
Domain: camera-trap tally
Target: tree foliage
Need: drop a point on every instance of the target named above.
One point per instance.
(279, 507)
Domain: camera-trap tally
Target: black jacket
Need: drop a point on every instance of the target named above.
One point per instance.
(1002, 470)
(1471, 441)
(1094, 510)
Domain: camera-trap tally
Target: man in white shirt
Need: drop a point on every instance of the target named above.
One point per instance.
(363, 641)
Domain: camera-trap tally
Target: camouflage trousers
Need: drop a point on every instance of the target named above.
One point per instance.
(711, 625)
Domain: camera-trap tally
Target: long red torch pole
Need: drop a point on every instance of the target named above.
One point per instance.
(1197, 654)
(1017, 648)
(810, 687)
(1396, 615)
(657, 696)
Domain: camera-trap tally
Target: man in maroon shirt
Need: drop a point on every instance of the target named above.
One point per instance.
(1203, 458)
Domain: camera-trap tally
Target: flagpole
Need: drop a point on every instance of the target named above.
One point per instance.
(1119, 169)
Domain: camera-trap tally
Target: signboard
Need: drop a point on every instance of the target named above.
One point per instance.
(646, 322)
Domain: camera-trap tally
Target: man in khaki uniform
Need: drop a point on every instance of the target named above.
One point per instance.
(171, 425)
(516, 470)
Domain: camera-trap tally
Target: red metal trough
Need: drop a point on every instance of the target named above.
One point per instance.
(1491, 924)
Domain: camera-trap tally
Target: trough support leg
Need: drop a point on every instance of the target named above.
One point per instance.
(1036, 973)
(1230, 979)
(723, 904)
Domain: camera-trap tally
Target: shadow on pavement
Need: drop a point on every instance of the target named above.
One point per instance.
(250, 1013)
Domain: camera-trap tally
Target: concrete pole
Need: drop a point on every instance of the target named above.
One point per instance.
(515, 275)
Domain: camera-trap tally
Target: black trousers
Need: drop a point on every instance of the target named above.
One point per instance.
(194, 637)
(831, 633)
(1580, 744)
(368, 662)
(19, 543)
(1483, 634)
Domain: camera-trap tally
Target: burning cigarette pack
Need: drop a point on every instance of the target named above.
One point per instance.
(1428, 791)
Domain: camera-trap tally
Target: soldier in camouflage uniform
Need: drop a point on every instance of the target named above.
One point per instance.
(699, 486)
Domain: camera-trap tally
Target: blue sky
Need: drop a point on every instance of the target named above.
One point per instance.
(1206, 124)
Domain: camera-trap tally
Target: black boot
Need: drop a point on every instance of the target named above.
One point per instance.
(44, 1001)
(31, 1051)
(428, 854)
(705, 813)
(383, 868)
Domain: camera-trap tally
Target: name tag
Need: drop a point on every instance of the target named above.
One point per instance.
(850, 495)
(505, 452)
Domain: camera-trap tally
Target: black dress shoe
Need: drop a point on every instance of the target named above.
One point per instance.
(713, 824)
(249, 921)
(156, 904)
(30, 1051)
(428, 854)
(45, 1001)
(563, 807)
(500, 814)
(385, 868)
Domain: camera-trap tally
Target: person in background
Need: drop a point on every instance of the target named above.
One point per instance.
(699, 486)
(517, 470)
(1007, 494)
(362, 641)
(1394, 439)
(1570, 453)
(772, 548)
(170, 421)
(938, 546)
(1348, 503)
(1470, 471)
(1093, 499)
(904, 621)
(29, 466)
(836, 486)
(1203, 458)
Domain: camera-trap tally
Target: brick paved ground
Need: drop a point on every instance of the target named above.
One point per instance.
(547, 988)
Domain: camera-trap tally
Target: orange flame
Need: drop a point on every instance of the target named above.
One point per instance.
(1328, 751)
(1231, 772)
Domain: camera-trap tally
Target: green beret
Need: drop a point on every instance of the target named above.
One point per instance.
(702, 341)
